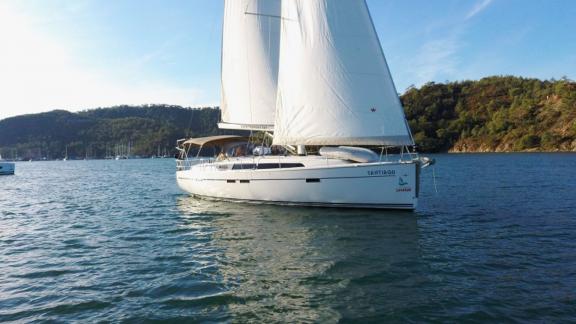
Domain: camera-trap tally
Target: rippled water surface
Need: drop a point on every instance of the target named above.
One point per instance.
(117, 241)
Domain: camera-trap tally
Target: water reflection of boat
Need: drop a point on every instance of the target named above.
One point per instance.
(302, 264)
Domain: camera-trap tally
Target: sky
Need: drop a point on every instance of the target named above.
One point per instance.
(82, 54)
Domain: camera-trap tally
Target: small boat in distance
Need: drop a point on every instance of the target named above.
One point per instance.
(311, 76)
(6, 168)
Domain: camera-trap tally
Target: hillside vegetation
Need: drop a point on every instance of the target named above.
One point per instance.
(148, 130)
(495, 114)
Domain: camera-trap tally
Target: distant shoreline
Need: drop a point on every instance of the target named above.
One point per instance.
(500, 114)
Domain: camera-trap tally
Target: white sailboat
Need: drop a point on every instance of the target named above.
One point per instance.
(311, 74)
(6, 168)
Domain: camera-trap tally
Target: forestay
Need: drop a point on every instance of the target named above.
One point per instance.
(250, 48)
(334, 85)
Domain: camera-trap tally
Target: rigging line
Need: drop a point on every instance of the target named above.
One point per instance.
(189, 128)
(211, 36)
(388, 70)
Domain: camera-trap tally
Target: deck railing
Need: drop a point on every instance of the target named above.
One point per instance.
(186, 164)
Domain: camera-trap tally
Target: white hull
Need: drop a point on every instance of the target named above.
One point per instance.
(321, 182)
(6, 168)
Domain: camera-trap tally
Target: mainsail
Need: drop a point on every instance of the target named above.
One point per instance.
(334, 86)
(250, 48)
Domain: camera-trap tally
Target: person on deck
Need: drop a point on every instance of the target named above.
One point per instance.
(240, 151)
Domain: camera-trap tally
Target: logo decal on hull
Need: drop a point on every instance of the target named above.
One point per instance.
(402, 183)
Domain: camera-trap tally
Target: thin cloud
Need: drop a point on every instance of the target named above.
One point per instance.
(437, 59)
(162, 53)
(478, 8)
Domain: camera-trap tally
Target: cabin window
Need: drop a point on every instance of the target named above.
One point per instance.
(243, 166)
(263, 166)
(291, 165)
(312, 180)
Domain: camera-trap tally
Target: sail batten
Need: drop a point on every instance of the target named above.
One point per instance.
(334, 85)
(250, 49)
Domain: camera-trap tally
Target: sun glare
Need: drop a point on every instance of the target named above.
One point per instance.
(41, 72)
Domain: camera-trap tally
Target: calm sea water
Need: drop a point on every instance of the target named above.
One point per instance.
(117, 241)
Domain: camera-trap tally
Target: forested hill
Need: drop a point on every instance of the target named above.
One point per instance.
(495, 114)
(492, 114)
(147, 130)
